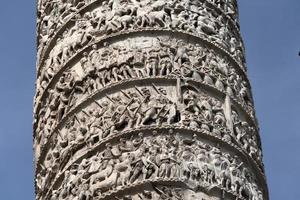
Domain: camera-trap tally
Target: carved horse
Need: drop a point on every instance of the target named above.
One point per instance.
(110, 182)
(157, 17)
(102, 174)
(124, 169)
(125, 21)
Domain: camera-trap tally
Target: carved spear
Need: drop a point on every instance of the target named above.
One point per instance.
(125, 94)
(98, 104)
(138, 108)
(155, 88)
(160, 111)
(139, 91)
(158, 92)
(163, 193)
(76, 118)
(126, 107)
(59, 134)
(109, 98)
(85, 113)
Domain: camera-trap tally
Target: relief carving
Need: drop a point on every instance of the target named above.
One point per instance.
(139, 99)
(141, 107)
(166, 57)
(157, 157)
(140, 15)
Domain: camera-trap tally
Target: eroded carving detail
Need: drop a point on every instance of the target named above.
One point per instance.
(163, 56)
(158, 157)
(132, 108)
(111, 18)
(142, 99)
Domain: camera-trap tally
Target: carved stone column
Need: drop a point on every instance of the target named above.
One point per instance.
(142, 99)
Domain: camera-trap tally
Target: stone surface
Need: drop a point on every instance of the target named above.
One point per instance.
(142, 99)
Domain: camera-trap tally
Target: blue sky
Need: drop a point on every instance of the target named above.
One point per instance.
(271, 31)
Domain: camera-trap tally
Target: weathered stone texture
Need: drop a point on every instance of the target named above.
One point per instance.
(140, 99)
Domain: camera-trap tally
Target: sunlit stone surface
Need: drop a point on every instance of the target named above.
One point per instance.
(140, 99)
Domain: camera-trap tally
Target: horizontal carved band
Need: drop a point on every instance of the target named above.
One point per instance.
(91, 27)
(210, 120)
(102, 62)
(51, 27)
(44, 137)
(163, 138)
(142, 99)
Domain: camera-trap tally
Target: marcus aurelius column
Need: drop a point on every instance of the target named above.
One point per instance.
(144, 99)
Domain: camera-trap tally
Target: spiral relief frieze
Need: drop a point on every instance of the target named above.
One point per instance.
(91, 25)
(140, 99)
(199, 63)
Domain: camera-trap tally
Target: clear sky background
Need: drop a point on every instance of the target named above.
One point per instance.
(271, 31)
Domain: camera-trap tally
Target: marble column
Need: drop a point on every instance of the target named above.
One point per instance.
(142, 99)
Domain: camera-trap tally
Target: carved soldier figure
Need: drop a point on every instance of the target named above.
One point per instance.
(206, 109)
(165, 66)
(65, 90)
(149, 107)
(144, 100)
(107, 155)
(181, 54)
(138, 165)
(85, 194)
(151, 66)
